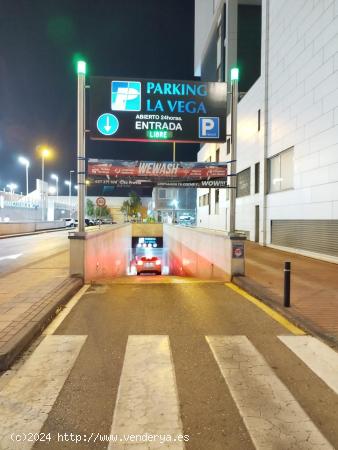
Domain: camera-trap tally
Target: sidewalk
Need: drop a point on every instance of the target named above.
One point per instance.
(29, 298)
(314, 287)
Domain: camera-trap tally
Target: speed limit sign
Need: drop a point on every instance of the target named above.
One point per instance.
(101, 202)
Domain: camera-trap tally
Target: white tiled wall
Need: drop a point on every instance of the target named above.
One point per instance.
(303, 113)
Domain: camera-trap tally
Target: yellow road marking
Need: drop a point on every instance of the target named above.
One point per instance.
(269, 311)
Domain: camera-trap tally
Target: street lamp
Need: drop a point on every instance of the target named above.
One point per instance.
(174, 203)
(25, 162)
(234, 77)
(12, 187)
(56, 178)
(44, 154)
(69, 184)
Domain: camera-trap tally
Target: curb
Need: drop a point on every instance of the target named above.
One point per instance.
(275, 302)
(32, 233)
(22, 339)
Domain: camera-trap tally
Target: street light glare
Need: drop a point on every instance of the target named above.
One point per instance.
(81, 67)
(12, 186)
(23, 161)
(45, 152)
(234, 74)
(67, 182)
(54, 177)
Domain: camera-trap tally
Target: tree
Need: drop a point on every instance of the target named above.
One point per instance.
(90, 208)
(131, 206)
(102, 211)
(135, 203)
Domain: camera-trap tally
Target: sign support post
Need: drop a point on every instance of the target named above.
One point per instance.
(81, 152)
(233, 155)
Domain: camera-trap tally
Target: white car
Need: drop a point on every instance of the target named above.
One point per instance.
(69, 222)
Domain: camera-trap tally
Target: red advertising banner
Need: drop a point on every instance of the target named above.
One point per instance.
(156, 170)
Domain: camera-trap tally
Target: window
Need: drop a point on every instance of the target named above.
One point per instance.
(243, 183)
(257, 168)
(209, 202)
(281, 171)
(203, 200)
(219, 54)
(164, 194)
(216, 201)
(259, 120)
(217, 154)
(228, 146)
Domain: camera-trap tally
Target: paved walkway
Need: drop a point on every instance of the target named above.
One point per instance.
(179, 366)
(27, 296)
(314, 286)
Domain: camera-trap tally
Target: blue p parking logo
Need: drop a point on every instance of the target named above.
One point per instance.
(208, 127)
(126, 96)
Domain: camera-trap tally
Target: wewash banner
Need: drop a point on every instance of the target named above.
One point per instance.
(156, 171)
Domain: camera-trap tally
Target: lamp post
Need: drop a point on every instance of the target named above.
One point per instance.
(81, 143)
(234, 76)
(69, 184)
(25, 162)
(174, 203)
(12, 187)
(56, 178)
(44, 154)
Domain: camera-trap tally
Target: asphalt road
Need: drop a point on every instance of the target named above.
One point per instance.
(179, 356)
(17, 252)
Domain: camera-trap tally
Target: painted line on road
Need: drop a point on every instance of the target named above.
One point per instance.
(269, 311)
(30, 395)
(320, 358)
(272, 416)
(147, 399)
(52, 327)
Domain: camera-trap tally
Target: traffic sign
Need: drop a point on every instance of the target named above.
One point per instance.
(107, 124)
(101, 202)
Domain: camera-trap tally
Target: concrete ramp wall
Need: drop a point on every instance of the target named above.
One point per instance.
(202, 253)
(147, 229)
(8, 228)
(100, 254)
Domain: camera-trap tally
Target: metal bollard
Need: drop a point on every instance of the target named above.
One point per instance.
(287, 282)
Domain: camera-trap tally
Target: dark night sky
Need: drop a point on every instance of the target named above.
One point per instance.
(39, 42)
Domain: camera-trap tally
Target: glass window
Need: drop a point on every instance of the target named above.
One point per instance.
(216, 201)
(257, 168)
(281, 171)
(228, 146)
(259, 120)
(162, 193)
(243, 183)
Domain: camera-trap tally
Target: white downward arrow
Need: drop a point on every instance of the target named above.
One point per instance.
(107, 127)
(10, 257)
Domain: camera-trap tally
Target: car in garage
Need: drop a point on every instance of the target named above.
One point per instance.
(151, 264)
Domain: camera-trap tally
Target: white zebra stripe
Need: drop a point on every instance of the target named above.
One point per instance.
(272, 416)
(30, 394)
(147, 401)
(320, 358)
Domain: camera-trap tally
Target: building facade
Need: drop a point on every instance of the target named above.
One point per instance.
(171, 204)
(287, 151)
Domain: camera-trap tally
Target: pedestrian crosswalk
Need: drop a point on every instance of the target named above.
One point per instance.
(147, 405)
(273, 417)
